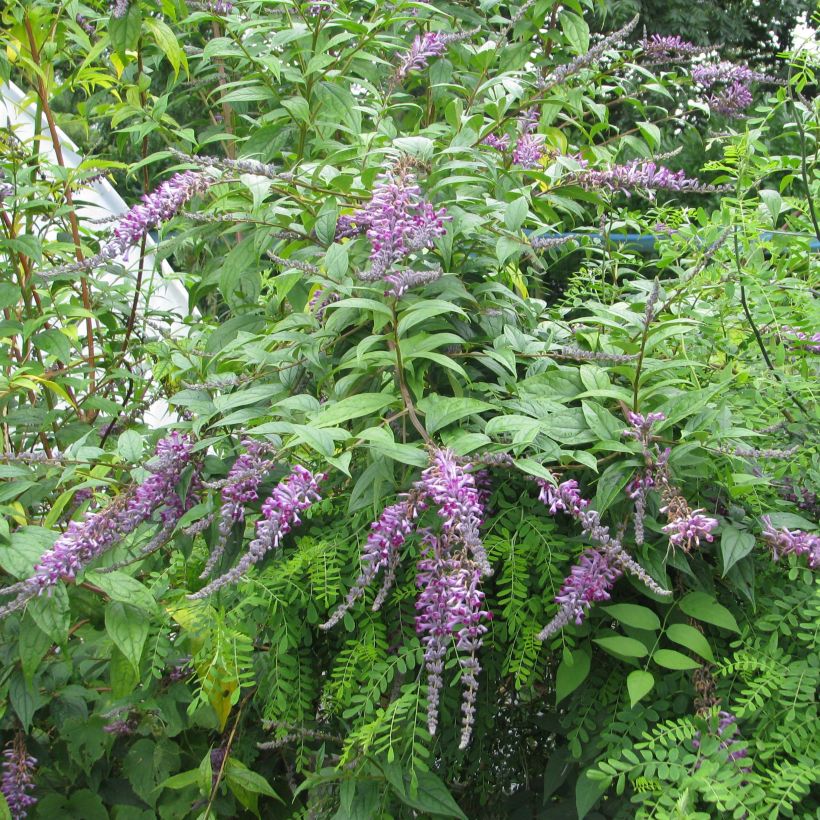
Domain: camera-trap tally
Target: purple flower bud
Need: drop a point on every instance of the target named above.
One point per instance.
(402, 281)
(18, 778)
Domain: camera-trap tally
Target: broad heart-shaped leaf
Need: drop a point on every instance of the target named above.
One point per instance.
(439, 411)
(734, 545)
(127, 626)
(51, 613)
(639, 683)
(130, 446)
(670, 659)
(571, 675)
(691, 638)
(703, 607)
(621, 645)
(639, 617)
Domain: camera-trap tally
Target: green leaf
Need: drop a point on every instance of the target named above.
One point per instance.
(703, 607)
(611, 482)
(127, 626)
(515, 213)
(621, 645)
(33, 644)
(125, 31)
(691, 638)
(587, 793)
(639, 617)
(337, 263)
(25, 699)
(51, 613)
(325, 225)
(237, 773)
(572, 672)
(181, 780)
(27, 545)
(353, 407)
(576, 31)
(432, 797)
(121, 587)
(130, 446)
(670, 659)
(427, 309)
(167, 42)
(639, 683)
(734, 545)
(440, 411)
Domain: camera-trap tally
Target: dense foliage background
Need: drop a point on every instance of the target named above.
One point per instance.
(441, 278)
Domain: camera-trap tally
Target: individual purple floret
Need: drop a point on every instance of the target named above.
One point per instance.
(450, 603)
(280, 513)
(668, 49)
(399, 221)
(686, 531)
(239, 489)
(643, 174)
(84, 541)
(791, 542)
(18, 778)
(453, 489)
(387, 535)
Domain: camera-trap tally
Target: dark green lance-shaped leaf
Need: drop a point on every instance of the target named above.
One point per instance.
(125, 31)
(670, 659)
(353, 407)
(639, 683)
(611, 482)
(734, 545)
(703, 607)
(431, 798)
(238, 775)
(572, 672)
(325, 225)
(639, 617)
(587, 793)
(515, 213)
(440, 411)
(691, 638)
(127, 626)
(621, 645)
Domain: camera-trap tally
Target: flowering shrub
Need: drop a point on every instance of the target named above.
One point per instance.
(479, 477)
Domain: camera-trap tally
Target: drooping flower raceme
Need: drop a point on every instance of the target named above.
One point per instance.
(82, 542)
(239, 489)
(791, 542)
(450, 603)
(18, 780)
(597, 570)
(686, 531)
(453, 489)
(280, 513)
(424, 48)
(399, 222)
(387, 535)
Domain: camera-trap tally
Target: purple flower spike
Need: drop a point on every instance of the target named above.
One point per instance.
(404, 280)
(453, 489)
(82, 542)
(119, 8)
(686, 532)
(387, 535)
(590, 580)
(791, 542)
(642, 174)
(660, 49)
(732, 100)
(566, 497)
(18, 780)
(157, 207)
(499, 143)
(450, 603)
(399, 222)
(240, 488)
(425, 46)
(280, 513)
(529, 150)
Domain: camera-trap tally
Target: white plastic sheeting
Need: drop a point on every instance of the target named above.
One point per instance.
(99, 200)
